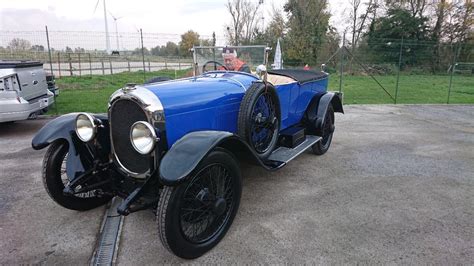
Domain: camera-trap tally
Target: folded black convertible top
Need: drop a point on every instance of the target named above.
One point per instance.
(302, 76)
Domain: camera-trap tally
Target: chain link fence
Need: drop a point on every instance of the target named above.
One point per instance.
(85, 53)
(376, 71)
(400, 71)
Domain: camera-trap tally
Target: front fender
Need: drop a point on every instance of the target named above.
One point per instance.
(186, 154)
(79, 156)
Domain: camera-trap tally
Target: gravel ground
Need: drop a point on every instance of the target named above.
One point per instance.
(33, 228)
(397, 186)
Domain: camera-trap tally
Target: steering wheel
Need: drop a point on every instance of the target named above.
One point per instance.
(212, 62)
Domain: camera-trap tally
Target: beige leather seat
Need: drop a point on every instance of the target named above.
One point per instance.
(279, 79)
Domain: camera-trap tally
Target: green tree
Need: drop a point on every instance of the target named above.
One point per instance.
(156, 50)
(170, 49)
(386, 32)
(19, 44)
(138, 51)
(308, 22)
(188, 40)
(37, 48)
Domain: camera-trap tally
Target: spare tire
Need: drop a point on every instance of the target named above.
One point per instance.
(259, 118)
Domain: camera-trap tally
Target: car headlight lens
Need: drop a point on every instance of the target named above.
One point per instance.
(85, 127)
(143, 137)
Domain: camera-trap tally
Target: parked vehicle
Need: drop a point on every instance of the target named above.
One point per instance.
(175, 146)
(23, 90)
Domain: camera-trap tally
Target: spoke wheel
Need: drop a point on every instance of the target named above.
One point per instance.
(259, 119)
(55, 179)
(327, 132)
(194, 216)
(207, 203)
(263, 123)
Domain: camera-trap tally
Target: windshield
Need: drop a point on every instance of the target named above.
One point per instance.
(232, 58)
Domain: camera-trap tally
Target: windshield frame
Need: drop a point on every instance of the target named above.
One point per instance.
(196, 66)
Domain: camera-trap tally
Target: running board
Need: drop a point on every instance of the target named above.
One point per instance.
(284, 154)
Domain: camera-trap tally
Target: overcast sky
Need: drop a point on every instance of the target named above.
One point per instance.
(172, 17)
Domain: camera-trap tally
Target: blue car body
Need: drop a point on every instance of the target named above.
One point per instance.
(191, 117)
(212, 101)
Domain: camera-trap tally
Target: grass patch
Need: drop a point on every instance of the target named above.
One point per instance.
(91, 93)
(413, 89)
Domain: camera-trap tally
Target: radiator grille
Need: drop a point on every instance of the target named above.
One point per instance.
(123, 114)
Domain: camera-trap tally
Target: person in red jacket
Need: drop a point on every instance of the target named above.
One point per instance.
(232, 63)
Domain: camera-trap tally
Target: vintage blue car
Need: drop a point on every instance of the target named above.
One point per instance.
(175, 145)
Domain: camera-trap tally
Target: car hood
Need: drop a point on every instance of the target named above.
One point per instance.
(202, 92)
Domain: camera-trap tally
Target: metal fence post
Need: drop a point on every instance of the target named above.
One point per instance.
(451, 81)
(90, 64)
(102, 63)
(70, 64)
(110, 64)
(128, 63)
(453, 67)
(341, 50)
(59, 64)
(79, 58)
(399, 68)
(143, 55)
(179, 63)
(49, 52)
(149, 68)
(51, 67)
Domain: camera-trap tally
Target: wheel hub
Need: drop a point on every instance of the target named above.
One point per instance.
(204, 195)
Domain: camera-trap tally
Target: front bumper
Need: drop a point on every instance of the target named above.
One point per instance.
(12, 110)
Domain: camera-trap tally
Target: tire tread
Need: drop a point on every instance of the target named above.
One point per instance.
(161, 215)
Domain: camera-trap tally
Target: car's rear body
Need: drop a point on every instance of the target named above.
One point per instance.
(23, 90)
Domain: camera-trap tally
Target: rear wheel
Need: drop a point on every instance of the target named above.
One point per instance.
(322, 146)
(194, 216)
(55, 179)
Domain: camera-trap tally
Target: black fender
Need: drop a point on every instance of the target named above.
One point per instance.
(80, 155)
(316, 111)
(186, 154)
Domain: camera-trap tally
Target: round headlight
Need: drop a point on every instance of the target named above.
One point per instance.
(85, 127)
(143, 137)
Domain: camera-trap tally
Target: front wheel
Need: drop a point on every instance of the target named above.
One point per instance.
(194, 216)
(55, 179)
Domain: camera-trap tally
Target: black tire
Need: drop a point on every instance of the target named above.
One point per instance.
(53, 181)
(157, 79)
(179, 206)
(245, 121)
(327, 131)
